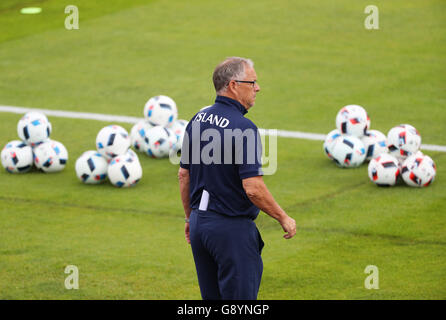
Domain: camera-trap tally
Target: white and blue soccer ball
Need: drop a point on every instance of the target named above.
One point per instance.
(403, 141)
(178, 128)
(384, 170)
(161, 111)
(91, 167)
(112, 140)
(348, 151)
(50, 156)
(418, 170)
(173, 138)
(138, 137)
(132, 154)
(160, 141)
(329, 142)
(375, 143)
(353, 120)
(34, 128)
(17, 157)
(125, 170)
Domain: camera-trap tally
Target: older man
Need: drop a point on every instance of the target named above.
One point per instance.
(222, 197)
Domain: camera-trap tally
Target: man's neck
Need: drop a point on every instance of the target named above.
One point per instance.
(232, 96)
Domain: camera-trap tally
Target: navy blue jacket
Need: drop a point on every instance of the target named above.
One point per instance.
(221, 148)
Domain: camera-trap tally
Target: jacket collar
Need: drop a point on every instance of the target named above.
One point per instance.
(231, 102)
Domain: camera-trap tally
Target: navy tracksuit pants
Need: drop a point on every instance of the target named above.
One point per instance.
(227, 257)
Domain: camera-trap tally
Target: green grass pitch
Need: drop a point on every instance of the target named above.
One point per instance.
(311, 57)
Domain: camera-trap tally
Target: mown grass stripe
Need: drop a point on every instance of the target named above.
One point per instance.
(128, 119)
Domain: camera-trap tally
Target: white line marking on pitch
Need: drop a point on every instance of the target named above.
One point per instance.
(127, 119)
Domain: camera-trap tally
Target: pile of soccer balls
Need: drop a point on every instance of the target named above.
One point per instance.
(34, 147)
(397, 154)
(112, 159)
(159, 133)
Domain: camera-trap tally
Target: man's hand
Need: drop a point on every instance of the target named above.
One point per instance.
(259, 194)
(289, 226)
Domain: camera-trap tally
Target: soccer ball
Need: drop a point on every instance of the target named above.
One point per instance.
(178, 128)
(132, 154)
(138, 135)
(329, 142)
(125, 170)
(91, 167)
(50, 156)
(112, 141)
(418, 170)
(384, 170)
(173, 139)
(160, 111)
(34, 128)
(403, 141)
(17, 157)
(160, 141)
(353, 120)
(348, 152)
(375, 143)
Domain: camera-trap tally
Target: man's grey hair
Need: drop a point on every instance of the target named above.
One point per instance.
(230, 69)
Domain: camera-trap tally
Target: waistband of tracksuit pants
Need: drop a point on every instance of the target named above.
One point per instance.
(204, 205)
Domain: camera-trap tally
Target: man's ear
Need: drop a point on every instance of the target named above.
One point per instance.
(231, 86)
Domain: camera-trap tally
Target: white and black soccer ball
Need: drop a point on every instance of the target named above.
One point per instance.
(50, 156)
(329, 142)
(403, 141)
(375, 143)
(353, 120)
(112, 140)
(418, 170)
(178, 128)
(125, 170)
(160, 141)
(34, 128)
(161, 111)
(384, 170)
(17, 157)
(91, 167)
(138, 137)
(348, 152)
